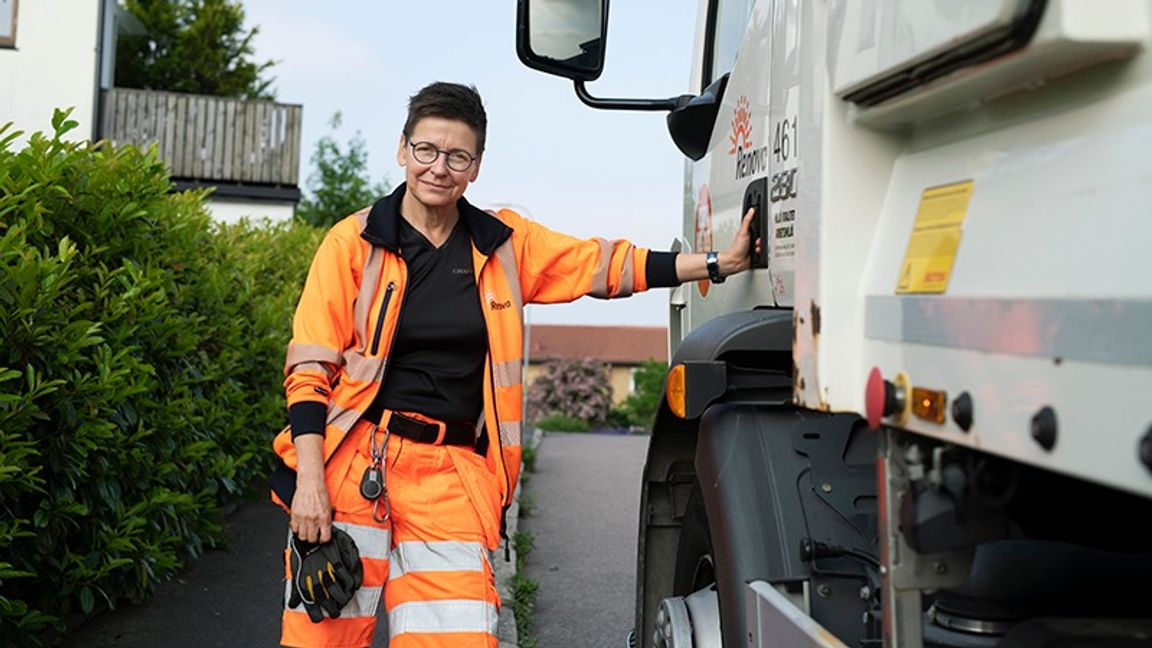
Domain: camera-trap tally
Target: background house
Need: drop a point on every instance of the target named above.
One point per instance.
(62, 53)
(623, 348)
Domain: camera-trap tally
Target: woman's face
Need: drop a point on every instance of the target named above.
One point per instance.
(435, 185)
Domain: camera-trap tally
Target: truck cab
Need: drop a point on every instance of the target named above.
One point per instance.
(921, 419)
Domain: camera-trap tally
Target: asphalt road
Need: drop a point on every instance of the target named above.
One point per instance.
(587, 495)
(586, 488)
(230, 597)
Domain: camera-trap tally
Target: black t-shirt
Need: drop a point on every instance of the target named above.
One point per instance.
(436, 366)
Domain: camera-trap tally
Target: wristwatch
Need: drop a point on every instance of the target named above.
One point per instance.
(712, 261)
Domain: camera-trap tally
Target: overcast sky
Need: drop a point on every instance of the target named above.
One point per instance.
(581, 171)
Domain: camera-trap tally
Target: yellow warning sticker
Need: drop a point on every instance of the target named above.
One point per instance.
(927, 265)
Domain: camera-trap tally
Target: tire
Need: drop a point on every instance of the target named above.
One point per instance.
(691, 616)
(695, 569)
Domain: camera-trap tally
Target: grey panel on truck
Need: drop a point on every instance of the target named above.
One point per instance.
(790, 496)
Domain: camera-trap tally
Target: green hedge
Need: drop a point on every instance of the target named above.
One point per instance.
(141, 348)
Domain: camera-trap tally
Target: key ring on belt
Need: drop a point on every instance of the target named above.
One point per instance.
(378, 453)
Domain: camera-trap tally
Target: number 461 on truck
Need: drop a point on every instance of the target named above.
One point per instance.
(925, 417)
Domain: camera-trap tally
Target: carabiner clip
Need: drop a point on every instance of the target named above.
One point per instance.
(373, 485)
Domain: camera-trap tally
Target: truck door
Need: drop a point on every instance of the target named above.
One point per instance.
(753, 156)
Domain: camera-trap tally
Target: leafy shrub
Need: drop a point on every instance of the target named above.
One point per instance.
(524, 590)
(140, 369)
(576, 389)
(639, 409)
(561, 423)
(528, 455)
(618, 420)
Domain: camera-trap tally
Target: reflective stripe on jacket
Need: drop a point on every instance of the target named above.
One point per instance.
(349, 309)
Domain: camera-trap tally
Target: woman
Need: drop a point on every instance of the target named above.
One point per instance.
(404, 386)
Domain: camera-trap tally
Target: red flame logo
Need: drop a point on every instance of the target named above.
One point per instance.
(741, 136)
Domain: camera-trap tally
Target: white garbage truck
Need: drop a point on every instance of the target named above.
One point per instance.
(924, 418)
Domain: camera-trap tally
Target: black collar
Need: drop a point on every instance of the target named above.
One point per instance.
(382, 229)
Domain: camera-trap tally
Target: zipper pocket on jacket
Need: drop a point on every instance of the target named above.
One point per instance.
(380, 320)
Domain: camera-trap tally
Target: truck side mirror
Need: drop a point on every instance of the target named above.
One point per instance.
(691, 123)
(563, 37)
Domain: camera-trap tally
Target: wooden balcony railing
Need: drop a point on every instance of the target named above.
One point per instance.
(208, 138)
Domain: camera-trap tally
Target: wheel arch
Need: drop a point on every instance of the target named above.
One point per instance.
(758, 339)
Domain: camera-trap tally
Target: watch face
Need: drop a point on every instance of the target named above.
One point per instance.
(712, 261)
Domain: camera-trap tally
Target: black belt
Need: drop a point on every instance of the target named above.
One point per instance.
(424, 432)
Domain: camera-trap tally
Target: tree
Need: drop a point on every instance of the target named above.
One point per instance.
(648, 379)
(340, 184)
(195, 46)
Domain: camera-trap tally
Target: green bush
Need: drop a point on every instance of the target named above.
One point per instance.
(639, 409)
(524, 590)
(528, 456)
(140, 368)
(563, 424)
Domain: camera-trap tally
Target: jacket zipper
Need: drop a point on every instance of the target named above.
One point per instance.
(504, 506)
(376, 345)
(391, 340)
(380, 320)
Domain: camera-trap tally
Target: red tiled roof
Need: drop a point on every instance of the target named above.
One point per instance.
(621, 345)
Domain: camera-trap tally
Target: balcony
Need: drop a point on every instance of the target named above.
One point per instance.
(248, 149)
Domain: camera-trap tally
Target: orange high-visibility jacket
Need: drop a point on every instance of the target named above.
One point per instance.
(348, 312)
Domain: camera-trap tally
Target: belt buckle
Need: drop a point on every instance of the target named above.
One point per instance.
(425, 426)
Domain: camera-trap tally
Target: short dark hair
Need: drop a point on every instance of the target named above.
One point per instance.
(448, 101)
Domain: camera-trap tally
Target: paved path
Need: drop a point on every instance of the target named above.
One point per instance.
(587, 496)
(586, 489)
(230, 598)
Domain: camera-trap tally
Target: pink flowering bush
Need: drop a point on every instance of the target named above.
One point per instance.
(576, 389)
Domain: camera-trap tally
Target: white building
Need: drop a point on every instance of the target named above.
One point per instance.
(62, 53)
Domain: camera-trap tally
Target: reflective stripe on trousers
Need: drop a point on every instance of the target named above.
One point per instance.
(430, 561)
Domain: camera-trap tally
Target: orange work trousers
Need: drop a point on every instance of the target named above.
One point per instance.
(430, 561)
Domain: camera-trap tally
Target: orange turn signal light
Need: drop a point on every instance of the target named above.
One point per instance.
(929, 404)
(675, 392)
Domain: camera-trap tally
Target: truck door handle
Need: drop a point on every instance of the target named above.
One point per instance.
(756, 195)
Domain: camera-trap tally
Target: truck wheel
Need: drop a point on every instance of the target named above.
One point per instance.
(694, 567)
(691, 617)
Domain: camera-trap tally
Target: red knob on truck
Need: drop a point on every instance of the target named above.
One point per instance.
(880, 398)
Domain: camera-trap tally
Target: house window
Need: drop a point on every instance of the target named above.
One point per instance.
(8, 23)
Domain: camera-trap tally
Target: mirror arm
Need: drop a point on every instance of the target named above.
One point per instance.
(669, 104)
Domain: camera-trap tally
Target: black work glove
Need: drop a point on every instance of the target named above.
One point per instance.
(325, 576)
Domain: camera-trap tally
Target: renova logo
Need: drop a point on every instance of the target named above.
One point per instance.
(494, 304)
(741, 136)
(749, 160)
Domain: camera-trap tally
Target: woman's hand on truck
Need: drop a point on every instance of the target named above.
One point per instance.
(735, 259)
